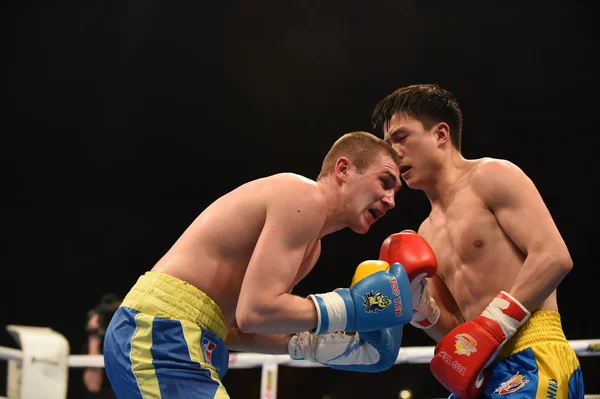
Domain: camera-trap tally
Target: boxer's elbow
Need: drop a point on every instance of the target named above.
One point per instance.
(560, 262)
(550, 257)
(253, 318)
(564, 263)
(248, 322)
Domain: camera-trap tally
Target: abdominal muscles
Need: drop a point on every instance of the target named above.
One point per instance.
(476, 258)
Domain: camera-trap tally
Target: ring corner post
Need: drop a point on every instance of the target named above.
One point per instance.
(44, 370)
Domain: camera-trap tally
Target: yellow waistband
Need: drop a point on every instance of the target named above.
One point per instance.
(542, 327)
(161, 295)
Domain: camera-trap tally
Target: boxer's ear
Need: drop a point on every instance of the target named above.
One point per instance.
(342, 167)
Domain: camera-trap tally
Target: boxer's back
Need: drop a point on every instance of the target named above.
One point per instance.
(214, 251)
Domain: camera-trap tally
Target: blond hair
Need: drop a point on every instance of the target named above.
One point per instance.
(362, 148)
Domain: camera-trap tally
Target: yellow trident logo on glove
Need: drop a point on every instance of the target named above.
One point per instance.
(373, 301)
(376, 301)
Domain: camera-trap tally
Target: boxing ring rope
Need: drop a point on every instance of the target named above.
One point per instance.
(44, 359)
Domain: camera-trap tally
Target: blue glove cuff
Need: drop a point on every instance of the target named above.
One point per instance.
(334, 311)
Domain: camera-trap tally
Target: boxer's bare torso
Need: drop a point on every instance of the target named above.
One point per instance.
(215, 250)
(476, 258)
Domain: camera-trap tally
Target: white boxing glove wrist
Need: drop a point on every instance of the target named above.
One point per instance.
(323, 348)
(425, 311)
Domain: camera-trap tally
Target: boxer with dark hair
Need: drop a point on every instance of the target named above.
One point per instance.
(491, 306)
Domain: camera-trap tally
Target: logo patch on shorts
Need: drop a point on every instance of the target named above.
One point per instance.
(375, 301)
(208, 347)
(513, 384)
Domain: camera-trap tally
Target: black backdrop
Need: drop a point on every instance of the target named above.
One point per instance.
(122, 120)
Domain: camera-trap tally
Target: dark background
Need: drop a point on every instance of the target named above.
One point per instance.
(122, 120)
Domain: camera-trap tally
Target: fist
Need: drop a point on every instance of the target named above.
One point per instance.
(412, 251)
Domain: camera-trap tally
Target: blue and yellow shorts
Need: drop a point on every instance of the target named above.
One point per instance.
(536, 363)
(166, 341)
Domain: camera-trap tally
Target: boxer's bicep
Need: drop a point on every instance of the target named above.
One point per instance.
(525, 219)
(290, 226)
(518, 207)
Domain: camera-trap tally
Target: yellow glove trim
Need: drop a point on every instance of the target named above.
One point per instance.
(367, 268)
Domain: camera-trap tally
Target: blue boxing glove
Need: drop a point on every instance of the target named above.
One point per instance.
(379, 297)
(368, 352)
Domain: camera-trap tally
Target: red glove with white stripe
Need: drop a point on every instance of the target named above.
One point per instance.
(418, 259)
(461, 357)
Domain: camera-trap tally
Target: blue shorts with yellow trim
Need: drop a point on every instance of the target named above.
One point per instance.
(166, 341)
(536, 363)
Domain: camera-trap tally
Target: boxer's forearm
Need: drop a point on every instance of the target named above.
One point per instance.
(539, 276)
(256, 342)
(283, 314)
(444, 325)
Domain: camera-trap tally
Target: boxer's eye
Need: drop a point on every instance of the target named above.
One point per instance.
(388, 182)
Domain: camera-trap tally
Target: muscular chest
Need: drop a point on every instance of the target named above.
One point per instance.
(462, 234)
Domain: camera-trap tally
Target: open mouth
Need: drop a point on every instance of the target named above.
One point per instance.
(375, 213)
(404, 169)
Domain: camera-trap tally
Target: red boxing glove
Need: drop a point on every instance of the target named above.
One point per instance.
(460, 358)
(418, 259)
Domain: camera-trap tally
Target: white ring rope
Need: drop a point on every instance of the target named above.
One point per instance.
(408, 354)
(41, 367)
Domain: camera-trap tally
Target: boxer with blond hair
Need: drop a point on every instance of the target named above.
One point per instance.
(226, 283)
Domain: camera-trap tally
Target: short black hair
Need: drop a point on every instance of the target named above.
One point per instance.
(428, 103)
